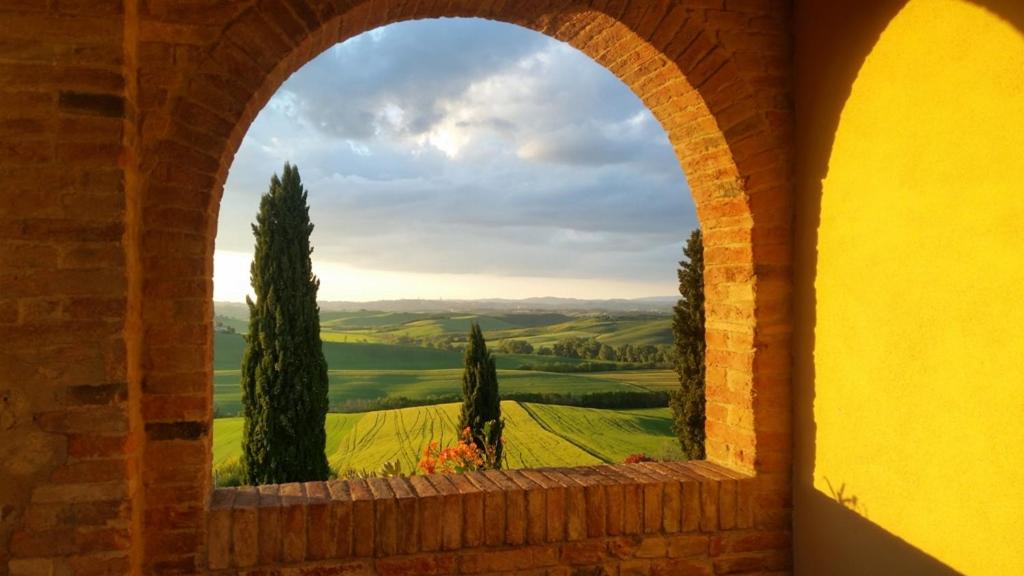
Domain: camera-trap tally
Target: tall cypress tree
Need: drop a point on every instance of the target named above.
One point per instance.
(481, 404)
(284, 374)
(688, 328)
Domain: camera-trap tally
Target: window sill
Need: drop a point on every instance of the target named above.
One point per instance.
(383, 517)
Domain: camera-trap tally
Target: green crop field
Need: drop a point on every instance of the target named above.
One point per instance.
(610, 435)
(228, 349)
(536, 435)
(421, 384)
(341, 355)
(653, 380)
(538, 328)
(374, 356)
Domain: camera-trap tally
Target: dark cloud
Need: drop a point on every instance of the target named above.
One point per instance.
(458, 146)
(355, 89)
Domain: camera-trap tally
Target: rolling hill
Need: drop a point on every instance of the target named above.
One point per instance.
(535, 435)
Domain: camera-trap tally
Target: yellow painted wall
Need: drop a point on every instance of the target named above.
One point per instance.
(910, 288)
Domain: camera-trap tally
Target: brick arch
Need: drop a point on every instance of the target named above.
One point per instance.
(715, 78)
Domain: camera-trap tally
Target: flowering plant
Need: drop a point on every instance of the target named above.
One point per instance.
(635, 458)
(464, 456)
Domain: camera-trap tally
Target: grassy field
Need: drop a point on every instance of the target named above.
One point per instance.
(536, 435)
(540, 329)
(610, 435)
(379, 370)
(419, 384)
(365, 364)
(228, 349)
(653, 380)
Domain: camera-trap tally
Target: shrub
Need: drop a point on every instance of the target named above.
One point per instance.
(229, 474)
(636, 458)
(464, 456)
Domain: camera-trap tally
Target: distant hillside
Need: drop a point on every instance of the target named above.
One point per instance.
(652, 305)
(661, 304)
(420, 328)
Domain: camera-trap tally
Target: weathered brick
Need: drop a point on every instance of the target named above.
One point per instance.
(681, 567)
(269, 532)
(653, 490)
(536, 518)
(614, 499)
(515, 507)
(749, 541)
(31, 567)
(432, 565)
(429, 502)
(293, 522)
(341, 511)
(687, 546)
(671, 512)
(364, 517)
(385, 512)
(554, 499)
(768, 561)
(494, 509)
(408, 512)
(245, 536)
(575, 505)
(451, 512)
(492, 561)
(219, 527)
(652, 547)
(472, 511)
(583, 553)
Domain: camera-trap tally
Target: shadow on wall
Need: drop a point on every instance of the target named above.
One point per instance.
(833, 40)
(877, 552)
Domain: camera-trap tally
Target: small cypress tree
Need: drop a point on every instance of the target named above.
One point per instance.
(284, 374)
(688, 328)
(481, 404)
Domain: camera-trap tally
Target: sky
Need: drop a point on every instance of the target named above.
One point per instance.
(462, 159)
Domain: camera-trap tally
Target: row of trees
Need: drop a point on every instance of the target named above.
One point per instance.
(572, 347)
(284, 373)
(592, 349)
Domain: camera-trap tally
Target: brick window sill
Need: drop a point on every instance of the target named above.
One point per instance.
(355, 520)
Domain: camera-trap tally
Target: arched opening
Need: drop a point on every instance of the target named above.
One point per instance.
(721, 101)
(458, 171)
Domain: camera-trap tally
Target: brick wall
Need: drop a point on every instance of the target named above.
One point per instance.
(119, 120)
(645, 519)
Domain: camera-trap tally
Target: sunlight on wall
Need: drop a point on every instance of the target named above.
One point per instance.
(919, 341)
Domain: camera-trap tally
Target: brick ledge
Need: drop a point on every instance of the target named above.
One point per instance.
(385, 517)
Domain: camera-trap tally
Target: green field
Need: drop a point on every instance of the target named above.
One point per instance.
(374, 371)
(535, 435)
(653, 380)
(538, 328)
(373, 356)
(610, 435)
(228, 350)
(420, 384)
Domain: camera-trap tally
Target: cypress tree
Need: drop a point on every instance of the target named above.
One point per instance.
(688, 328)
(284, 374)
(481, 404)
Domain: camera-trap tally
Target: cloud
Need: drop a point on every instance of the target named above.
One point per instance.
(397, 81)
(469, 146)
